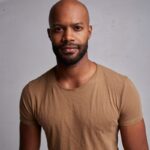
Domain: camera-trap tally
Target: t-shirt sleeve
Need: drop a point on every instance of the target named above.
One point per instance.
(26, 107)
(130, 111)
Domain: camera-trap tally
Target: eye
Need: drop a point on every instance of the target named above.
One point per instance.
(58, 29)
(78, 28)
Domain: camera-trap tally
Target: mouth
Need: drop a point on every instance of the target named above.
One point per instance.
(69, 49)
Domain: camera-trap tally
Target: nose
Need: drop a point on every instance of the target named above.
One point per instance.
(68, 35)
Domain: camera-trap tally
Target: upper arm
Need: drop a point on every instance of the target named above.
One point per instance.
(29, 137)
(134, 136)
(131, 124)
(30, 130)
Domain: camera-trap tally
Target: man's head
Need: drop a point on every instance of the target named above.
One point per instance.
(69, 31)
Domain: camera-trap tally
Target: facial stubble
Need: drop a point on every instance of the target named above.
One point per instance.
(68, 61)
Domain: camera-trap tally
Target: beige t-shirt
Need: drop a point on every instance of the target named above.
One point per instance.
(86, 118)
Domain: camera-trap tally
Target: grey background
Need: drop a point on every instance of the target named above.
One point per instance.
(120, 40)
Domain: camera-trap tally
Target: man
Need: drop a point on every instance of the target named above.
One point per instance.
(80, 105)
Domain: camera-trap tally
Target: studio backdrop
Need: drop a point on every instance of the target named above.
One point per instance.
(120, 41)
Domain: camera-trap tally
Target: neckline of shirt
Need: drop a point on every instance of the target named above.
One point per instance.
(77, 88)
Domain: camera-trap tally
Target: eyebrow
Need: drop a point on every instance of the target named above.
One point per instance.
(62, 25)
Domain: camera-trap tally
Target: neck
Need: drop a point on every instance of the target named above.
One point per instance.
(73, 76)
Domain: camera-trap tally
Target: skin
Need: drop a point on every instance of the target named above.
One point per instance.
(32, 143)
(70, 26)
(134, 136)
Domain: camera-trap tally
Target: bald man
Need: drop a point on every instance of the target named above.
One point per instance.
(80, 105)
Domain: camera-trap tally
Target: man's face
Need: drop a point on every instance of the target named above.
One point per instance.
(69, 34)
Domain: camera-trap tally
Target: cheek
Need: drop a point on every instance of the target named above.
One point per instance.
(85, 35)
(56, 39)
(84, 38)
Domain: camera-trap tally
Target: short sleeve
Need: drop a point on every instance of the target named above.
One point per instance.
(130, 110)
(26, 107)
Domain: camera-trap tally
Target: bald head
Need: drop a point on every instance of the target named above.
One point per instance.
(64, 7)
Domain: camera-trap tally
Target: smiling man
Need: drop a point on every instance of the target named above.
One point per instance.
(80, 105)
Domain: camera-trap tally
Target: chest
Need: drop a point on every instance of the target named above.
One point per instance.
(95, 110)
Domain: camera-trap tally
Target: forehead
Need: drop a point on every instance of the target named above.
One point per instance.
(69, 14)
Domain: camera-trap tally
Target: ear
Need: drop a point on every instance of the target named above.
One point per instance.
(90, 30)
(49, 32)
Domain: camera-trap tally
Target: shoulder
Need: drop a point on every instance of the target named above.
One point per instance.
(115, 83)
(115, 80)
(112, 77)
(38, 85)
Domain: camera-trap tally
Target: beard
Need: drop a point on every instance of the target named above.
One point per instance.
(68, 60)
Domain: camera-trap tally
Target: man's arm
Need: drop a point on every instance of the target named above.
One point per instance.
(29, 137)
(134, 136)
